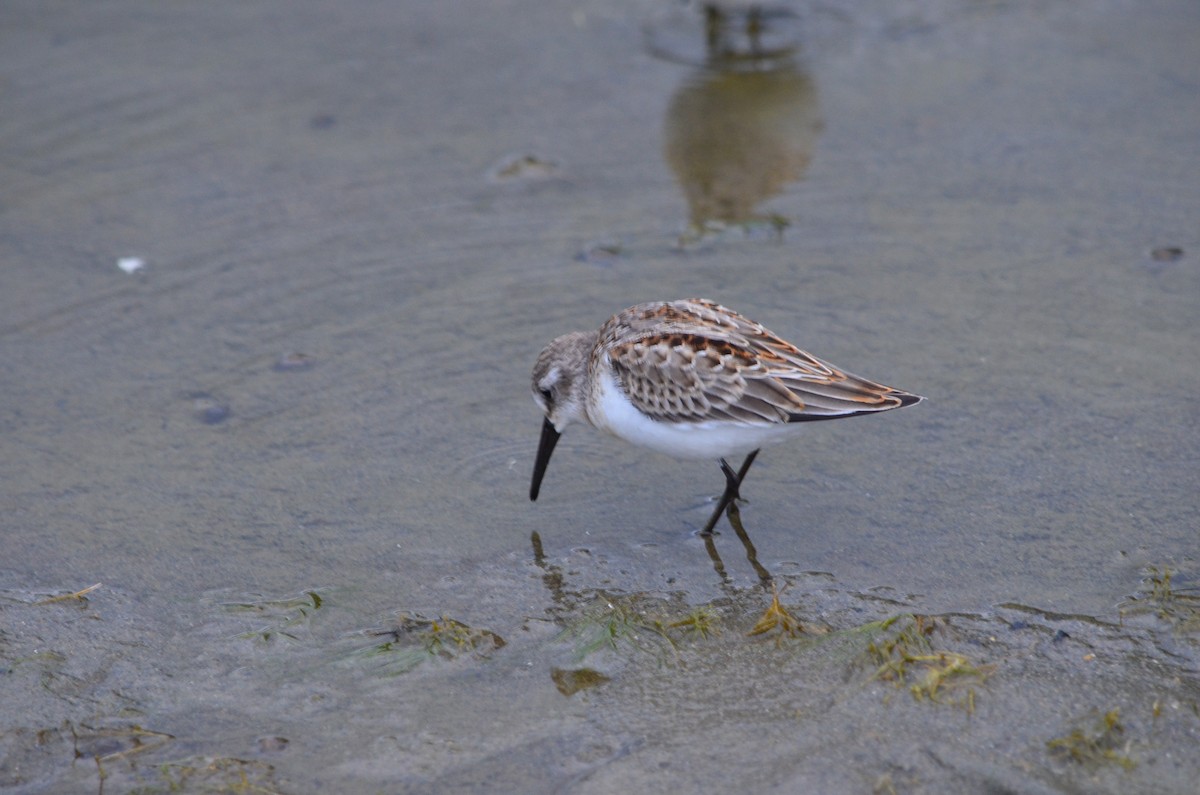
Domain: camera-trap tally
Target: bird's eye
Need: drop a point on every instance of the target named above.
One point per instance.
(546, 395)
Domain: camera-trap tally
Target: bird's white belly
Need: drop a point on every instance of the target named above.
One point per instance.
(710, 440)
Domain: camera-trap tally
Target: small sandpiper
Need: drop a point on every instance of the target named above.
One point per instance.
(693, 379)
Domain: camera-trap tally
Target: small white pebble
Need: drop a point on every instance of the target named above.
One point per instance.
(131, 264)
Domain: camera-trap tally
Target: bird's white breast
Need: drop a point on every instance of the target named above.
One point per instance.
(611, 410)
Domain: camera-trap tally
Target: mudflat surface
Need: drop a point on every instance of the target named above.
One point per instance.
(272, 280)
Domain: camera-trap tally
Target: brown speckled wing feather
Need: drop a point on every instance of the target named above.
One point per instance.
(694, 360)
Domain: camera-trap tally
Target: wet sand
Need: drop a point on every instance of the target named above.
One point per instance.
(291, 438)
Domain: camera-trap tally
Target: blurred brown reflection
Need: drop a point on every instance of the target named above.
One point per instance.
(742, 125)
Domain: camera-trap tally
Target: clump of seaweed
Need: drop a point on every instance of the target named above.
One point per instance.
(416, 640)
(570, 681)
(283, 616)
(1101, 743)
(778, 620)
(699, 622)
(78, 596)
(1179, 607)
(637, 622)
(112, 743)
(907, 657)
(216, 774)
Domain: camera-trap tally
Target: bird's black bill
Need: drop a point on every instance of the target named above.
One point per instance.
(545, 448)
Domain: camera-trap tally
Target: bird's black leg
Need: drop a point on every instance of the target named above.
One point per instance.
(730, 494)
(745, 468)
(733, 482)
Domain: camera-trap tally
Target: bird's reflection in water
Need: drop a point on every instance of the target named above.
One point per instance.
(735, 520)
(552, 575)
(555, 580)
(743, 125)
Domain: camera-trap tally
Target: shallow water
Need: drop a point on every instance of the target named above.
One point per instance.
(360, 224)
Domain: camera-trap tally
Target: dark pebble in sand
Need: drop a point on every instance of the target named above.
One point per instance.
(601, 252)
(524, 167)
(322, 121)
(1166, 254)
(208, 409)
(272, 744)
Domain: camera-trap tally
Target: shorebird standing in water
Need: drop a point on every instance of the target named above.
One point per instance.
(693, 379)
